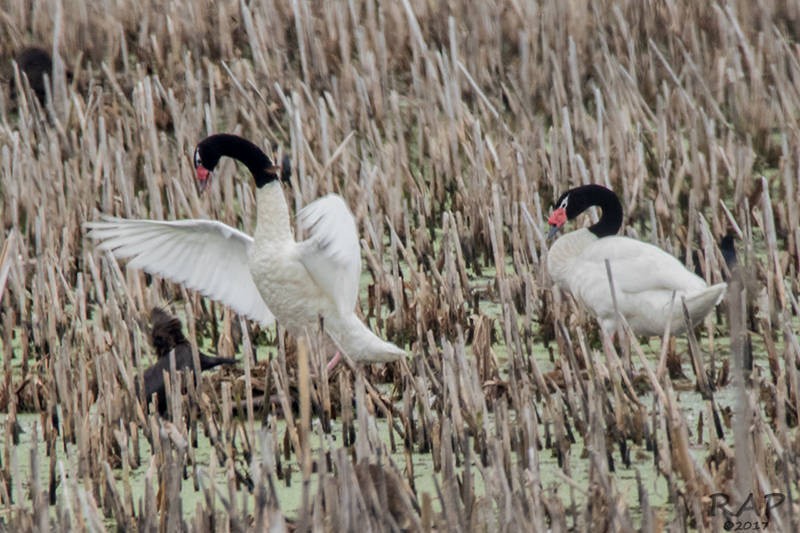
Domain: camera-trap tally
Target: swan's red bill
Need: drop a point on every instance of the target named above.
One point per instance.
(203, 176)
(557, 219)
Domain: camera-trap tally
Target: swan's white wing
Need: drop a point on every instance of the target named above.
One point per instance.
(638, 266)
(207, 256)
(331, 254)
(644, 276)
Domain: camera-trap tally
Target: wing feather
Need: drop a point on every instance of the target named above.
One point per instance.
(332, 254)
(207, 256)
(637, 266)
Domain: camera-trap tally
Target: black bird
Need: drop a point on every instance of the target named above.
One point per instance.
(35, 62)
(166, 335)
(728, 250)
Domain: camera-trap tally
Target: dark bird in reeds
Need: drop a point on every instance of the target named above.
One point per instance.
(35, 63)
(728, 250)
(166, 335)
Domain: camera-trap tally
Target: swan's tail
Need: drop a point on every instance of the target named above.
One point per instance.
(388, 352)
(699, 305)
(363, 346)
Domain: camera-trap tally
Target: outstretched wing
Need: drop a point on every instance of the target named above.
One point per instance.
(207, 256)
(331, 254)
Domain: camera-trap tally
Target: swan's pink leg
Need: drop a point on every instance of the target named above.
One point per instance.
(334, 361)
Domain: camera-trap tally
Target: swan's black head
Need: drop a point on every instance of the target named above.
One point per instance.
(211, 149)
(575, 201)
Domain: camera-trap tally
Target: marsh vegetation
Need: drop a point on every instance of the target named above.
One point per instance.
(449, 128)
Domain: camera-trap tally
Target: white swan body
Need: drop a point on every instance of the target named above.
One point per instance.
(645, 277)
(314, 281)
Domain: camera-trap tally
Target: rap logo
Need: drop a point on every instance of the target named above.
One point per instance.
(720, 500)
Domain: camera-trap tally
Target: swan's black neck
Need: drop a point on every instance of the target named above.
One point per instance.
(212, 148)
(582, 198)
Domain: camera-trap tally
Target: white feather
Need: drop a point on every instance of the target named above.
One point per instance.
(331, 254)
(314, 283)
(207, 256)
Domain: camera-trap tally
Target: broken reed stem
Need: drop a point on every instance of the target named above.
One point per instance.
(247, 349)
(304, 385)
(620, 331)
(5, 261)
(742, 414)
(696, 355)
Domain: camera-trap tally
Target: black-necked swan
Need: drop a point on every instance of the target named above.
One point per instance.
(644, 275)
(302, 284)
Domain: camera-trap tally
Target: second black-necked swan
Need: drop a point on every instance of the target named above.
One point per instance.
(645, 276)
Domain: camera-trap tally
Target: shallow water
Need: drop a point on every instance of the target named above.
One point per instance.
(552, 477)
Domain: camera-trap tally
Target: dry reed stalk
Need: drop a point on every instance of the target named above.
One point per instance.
(248, 359)
(5, 260)
(304, 429)
(696, 356)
